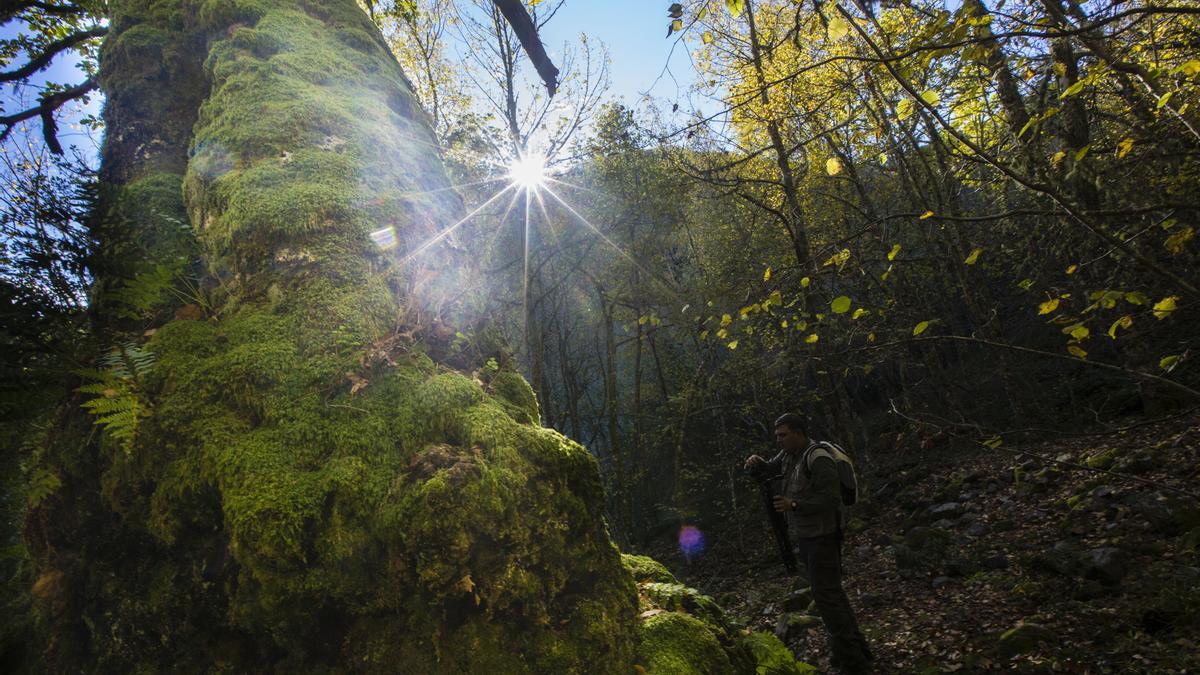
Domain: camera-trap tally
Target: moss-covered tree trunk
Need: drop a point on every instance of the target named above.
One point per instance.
(309, 486)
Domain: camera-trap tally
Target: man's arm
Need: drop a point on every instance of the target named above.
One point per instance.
(825, 493)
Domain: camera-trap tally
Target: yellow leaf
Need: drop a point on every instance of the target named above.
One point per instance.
(927, 214)
(931, 97)
(802, 325)
(974, 257)
(1162, 100)
(920, 328)
(767, 275)
(840, 305)
(886, 273)
(1124, 147)
(838, 28)
(894, 252)
(859, 313)
(833, 166)
(1077, 351)
(1164, 307)
(805, 282)
(1082, 152)
(883, 159)
(732, 345)
(1048, 306)
(1168, 363)
(1123, 322)
(1175, 242)
(870, 337)
(703, 335)
(1077, 331)
(783, 324)
(993, 442)
(1190, 68)
(904, 109)
(735, 7)
(1072, 269)
(1136, 298)
(726, 320)
(1058, 157)
(722, 333)
(812, 339)
(706, 37)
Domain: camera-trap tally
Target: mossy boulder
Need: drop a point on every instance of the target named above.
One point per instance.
(644, 568)
(1023, 638)
(677, 643)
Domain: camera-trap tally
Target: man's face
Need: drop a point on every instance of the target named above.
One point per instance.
(788, 439)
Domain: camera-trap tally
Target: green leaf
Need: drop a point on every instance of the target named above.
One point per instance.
(840, 305)
(1048, 306)
(1077, 351)
(860, 312)
(1168, 363)
(894, 252)
(732, 345)
(974, 257)
(805, 282)
(1162, 100)
(904, 109)
(833, 166)
(735, 7)
(993, 442)
(1026, 284)
(706, 37)
(1077, 331)
(812, 339)
(1137, 298)
(767, 275)
(931, 97)
(1073, 89)
(920, 328)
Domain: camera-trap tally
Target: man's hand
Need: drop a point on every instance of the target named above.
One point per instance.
(782, 503)
(753, 461)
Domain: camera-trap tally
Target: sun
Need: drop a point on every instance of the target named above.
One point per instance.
(529, 171)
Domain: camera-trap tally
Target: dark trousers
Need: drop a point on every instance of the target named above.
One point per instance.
(823, 557)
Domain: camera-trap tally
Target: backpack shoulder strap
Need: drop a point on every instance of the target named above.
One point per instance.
(816, 450)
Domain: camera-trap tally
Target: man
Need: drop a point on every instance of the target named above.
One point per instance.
(811, 500)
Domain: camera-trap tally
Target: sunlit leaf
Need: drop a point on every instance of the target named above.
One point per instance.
(870, 337)
(920, 328)
(1072, 269)
(931, 97)
(726, 320)
(1168, 363)
(1077, 331)
(1058, 157)
(1124, 147)
(812, 339)
(805, 282)
(883, 159)
(1190, 68)
(840, 305)
(1026, 284)
(706, 37)
(894, 252)
(833, 166)
(860, 312)
(993, 442)
(1164, 307)
(1077, 351)
(904, 109)
(927, 214)
(1163, 100)
(767, 275)
(1137, 298)
(1073, 89)
(735, 7)
(1048, 306)
(974, 257)
(732, 345)
(722, 334)
(838, 28)
(1082, 153)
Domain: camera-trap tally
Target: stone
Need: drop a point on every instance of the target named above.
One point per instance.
(977, 529)
(790, 625)
(1106, 565)
(798, 600)
(945, 511)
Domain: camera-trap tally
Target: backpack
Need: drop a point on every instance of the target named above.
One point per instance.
(845, 468)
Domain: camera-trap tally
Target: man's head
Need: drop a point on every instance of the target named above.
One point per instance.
(789, 432)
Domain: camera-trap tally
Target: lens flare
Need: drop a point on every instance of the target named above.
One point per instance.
(691, 540)
(528, 171)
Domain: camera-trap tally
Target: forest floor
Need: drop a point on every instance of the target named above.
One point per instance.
(1086, 545)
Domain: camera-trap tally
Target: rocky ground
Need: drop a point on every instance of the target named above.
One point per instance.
(1073, 554)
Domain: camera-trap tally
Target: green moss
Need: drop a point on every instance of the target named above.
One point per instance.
(645, 568)
(674, 643)
(517, 396)
(772, 656)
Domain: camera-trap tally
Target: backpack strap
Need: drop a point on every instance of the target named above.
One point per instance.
(816, 450)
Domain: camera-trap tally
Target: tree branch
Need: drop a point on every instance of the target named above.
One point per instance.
(52, 50)
(49, 104)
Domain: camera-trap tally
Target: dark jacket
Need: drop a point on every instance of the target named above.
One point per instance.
(817, 494)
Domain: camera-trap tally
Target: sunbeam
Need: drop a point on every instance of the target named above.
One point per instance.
(446, 232)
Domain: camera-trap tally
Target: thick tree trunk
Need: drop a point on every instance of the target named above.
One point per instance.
(309, 489)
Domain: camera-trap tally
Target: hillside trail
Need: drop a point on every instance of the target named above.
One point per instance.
(1066, 554)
